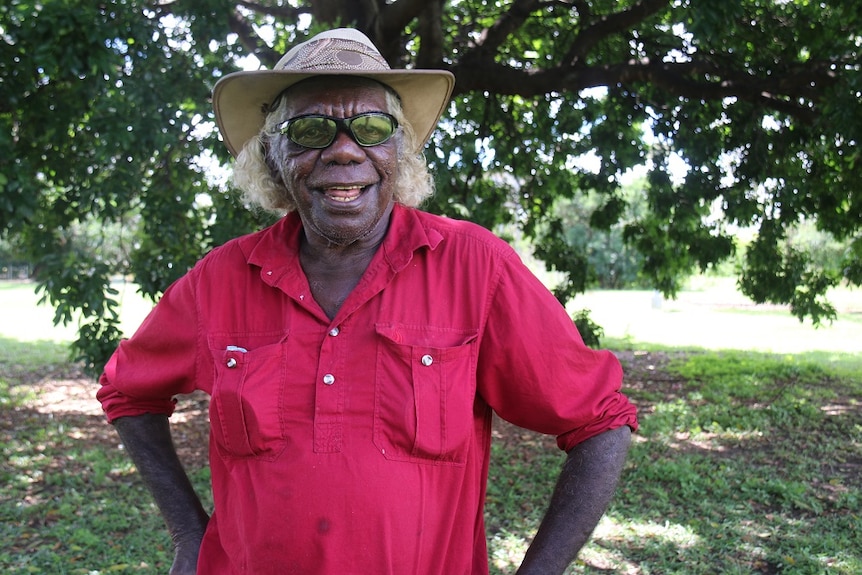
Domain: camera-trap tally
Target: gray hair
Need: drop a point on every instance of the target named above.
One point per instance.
(259, 187)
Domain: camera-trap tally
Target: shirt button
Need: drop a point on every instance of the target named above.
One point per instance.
(427, 360)
(334, 331)
(328, 379)
(231, 362)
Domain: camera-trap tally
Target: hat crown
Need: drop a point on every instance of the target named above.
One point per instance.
(341, 49)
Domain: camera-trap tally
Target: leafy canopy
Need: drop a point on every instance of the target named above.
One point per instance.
(110, 164)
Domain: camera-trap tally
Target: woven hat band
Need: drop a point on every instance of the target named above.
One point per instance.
(333, 54)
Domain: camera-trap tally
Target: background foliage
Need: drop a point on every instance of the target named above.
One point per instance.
(109, 161)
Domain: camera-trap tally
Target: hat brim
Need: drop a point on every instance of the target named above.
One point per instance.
(240, 99)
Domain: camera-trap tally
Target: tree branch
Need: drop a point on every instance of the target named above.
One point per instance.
(685, 79)
(397, 15)
(594, 31)
(285, 11)
(490, 39)
(494, 37)
(251, 41)
(431, 32)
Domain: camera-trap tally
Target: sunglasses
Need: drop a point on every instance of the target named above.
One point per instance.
(319, 131)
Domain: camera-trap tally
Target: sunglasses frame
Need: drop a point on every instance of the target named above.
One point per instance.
(341, 124)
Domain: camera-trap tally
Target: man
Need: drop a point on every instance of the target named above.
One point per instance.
(356, 350)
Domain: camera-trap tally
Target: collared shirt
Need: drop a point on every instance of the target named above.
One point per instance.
(361, 444)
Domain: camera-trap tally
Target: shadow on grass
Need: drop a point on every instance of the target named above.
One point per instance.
(70, 500)
(776, 487)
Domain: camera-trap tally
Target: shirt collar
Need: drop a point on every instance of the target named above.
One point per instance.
(407, 234)
(275, 250)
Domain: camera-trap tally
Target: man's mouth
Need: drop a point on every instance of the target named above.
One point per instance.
(343, 194)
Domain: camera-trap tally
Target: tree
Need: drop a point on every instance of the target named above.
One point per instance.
(105, 118)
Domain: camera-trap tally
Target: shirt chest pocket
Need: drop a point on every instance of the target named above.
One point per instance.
(424, 393)
(246, 416)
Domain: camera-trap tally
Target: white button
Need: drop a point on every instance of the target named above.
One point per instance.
(334, 331)
(328, 379)
(231, 362)
(427, 360)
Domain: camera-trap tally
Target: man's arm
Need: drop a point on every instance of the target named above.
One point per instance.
(584, 490)
(147, 439)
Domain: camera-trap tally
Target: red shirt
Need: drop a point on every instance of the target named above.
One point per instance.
(361, 445)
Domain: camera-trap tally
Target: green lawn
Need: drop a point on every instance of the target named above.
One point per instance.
(746, 462)
(712, 314)
(25, 320)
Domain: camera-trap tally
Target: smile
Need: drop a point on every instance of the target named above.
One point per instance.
(344, 194)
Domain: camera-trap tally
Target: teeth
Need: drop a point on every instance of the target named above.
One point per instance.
(337, 194)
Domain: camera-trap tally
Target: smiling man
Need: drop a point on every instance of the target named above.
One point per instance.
(356, 350)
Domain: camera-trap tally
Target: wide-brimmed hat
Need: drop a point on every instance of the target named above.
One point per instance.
(241, 99)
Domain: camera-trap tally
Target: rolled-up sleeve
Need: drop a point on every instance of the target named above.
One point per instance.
(158, 362)
(535, 371)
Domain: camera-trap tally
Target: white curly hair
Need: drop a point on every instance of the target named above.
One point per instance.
(259, 187)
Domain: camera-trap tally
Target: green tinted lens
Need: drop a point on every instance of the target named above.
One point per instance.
(372, 129)
(312, 131)
(368, 129)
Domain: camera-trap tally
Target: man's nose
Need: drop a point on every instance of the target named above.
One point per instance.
(343, 149)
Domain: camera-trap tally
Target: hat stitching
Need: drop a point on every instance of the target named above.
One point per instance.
(334, 53)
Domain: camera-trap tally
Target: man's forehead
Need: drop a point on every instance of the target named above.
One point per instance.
(341, 86)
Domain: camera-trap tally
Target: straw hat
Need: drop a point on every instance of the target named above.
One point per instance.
(240, 99)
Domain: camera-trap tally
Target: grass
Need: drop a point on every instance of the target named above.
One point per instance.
(746, 462)
(70, 500)
(24, 320)
(712, 314)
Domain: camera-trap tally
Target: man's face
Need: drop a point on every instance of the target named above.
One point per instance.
(343, 191)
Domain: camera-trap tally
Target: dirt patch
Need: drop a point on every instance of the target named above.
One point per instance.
(67, 397)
